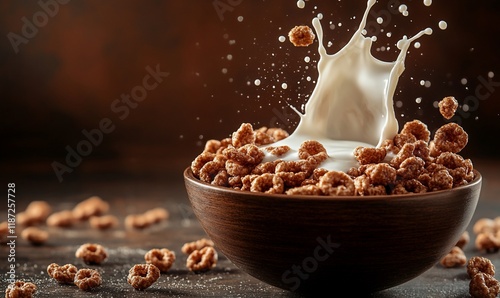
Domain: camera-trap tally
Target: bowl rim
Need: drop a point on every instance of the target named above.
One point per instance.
(188, 175)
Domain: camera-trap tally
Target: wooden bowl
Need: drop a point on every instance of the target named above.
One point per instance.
(317, 243)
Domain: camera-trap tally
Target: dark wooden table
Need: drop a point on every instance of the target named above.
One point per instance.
(127, 247)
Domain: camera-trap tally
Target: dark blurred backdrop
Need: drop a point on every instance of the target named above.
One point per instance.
(70, 70)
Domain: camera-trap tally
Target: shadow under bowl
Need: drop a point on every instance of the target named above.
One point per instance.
(312, 243)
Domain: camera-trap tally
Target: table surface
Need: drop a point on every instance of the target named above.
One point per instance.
(126, 247)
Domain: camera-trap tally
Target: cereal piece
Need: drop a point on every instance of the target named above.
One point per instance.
(464, 239)
(157, 215)
(301, 36)
(405, 152)
(441, 180)
(90, 207)
(367, 155)
(277, 134)
(62, 219)
(381, 174)
(278, 151)
(35, 235)
(38, 211)
(246, 181)
(161, 258)
(404, 138)
(433, 150)
(484, 225)
(448, 106)
(418, 129)
(91, 253)
(411, 168)
(246, 155)
(202, 260)
(235, 182)
(136, 221)
(221, 179)
(200, 161)
(336, 183)
(389, 146)
(20, 289)
(62, 274)
(103, 222)
(311, 148)
(243, 136)
(291, 179)
(212, 146)
(312, 190)
(484, 286)
(210, 170)
(455, 258)
(478, 264)
(266, 167)
(450, 137)
(142, 276)
(87, 279)
(487, 242)
(422, 150)
(268, 183)
(413, 186)
(189, 247)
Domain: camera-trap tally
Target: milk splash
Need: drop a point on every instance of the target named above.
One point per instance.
(352, 102)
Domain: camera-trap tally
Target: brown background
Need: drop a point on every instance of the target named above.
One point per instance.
(66, 77)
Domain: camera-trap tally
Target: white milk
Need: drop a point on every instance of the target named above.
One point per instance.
(352, 102)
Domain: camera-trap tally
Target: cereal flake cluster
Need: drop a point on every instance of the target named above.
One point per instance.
(411, 162)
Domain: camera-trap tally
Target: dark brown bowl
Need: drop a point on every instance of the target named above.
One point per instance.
(309, 243)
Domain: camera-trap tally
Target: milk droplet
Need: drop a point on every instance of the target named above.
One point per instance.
(374, 38)
(403, 8)
(229, 57)
(240, 19)
(427, 2)
(284, 85)
(465, 107)
(491, 74)
(257, 82)
(388, 34)
(463, 81)
(282, 38)
(332, 26)
(320, 16)
(224, 70)
(301, 4)
(418, 100)
(380, 20)
(307, 59)
(427, 84)
(405, 13)
(364, 32)
(443, 25)
(416, 45)
(308, 79)
(422, 82)
(399, 104)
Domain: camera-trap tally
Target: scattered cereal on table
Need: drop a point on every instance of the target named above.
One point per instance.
(189, 247)
(464, 239)
(202, 260)
(62, 219)
(91, 253)
(142, 276)
(87, 279)
(483, 285)
(301, 36)
(455, 258)
(20, 289)
(62, 274)
(479, 264)
(163, 258)
(103, 222)
(89, 207)
(35, 235)
(448, 106)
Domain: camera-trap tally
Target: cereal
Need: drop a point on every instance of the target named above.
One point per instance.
(157, 215)
(91, 253)
(483, 225)
(411, 168)
(404, 153)
(478, 264)
(448, 106)
(464, 239)
(278, 151)
(89, 207)
(404, 138)
(268, 183)
(381, 174)
(450, 137)
(87, 279)
(455, 258)
(20, 289)
(200, 161)
(161, 258)
(305, 190)
(62, 274)
(311, 148)
(301, 36)
(367, 155)
(62, 219)
(202, 260)
(142, 276)
(189, 247)
(243, 136)
(147, 218)
(418, 129)
(484, 286)
(336, 183)
(136, 221)
(441, 180)
(103, 222)
(35, 235)
(487, 242)
(36, 213)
